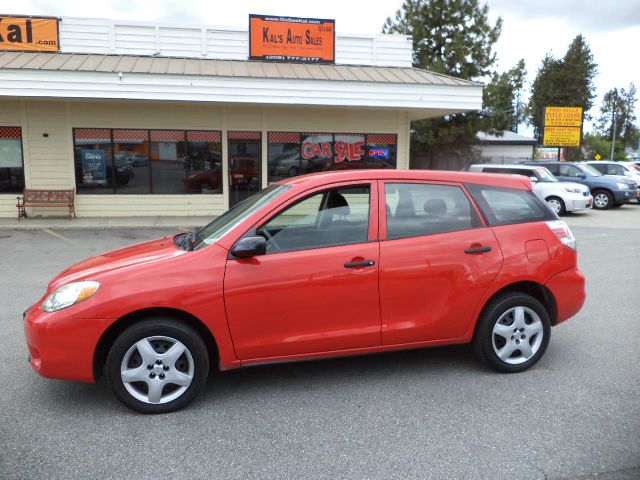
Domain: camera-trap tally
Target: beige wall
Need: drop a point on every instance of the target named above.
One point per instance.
(49, 160)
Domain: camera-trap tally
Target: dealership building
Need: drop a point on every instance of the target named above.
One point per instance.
(145, 118)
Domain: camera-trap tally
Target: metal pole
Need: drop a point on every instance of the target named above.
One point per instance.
(613, 141)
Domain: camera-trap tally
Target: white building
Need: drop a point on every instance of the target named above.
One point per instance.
(504, 147)
(146, 118)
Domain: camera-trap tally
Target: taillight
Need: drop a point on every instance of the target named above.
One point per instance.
(564, 233)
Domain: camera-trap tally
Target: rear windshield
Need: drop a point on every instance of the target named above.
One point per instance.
(506, 206)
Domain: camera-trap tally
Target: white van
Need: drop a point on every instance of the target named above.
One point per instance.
(561, 197)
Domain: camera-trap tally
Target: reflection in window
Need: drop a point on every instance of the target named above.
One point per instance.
(135, 161)
(11, 167)
(292, 153)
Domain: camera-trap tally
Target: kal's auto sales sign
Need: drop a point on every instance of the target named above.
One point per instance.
(291, 39)
(28, 34)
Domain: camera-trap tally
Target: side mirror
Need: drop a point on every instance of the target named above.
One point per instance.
(249, 247)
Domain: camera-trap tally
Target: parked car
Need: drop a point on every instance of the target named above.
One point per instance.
(205, 180)
(620, 169)
(561, 197)
(607, 191)
(325, 265)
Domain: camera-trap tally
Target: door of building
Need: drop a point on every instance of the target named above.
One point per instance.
(245, 158)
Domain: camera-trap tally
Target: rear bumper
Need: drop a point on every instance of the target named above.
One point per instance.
(568, 289)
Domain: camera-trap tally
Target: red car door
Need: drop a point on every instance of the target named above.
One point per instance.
(316, 289)
(436, 263)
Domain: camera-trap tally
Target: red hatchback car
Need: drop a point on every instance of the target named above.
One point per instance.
(323, 265)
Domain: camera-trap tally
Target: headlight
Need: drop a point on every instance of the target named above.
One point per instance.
(68, 295)
(573, 189)
(624, 186)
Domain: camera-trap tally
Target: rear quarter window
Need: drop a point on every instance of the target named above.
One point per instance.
(506, 206)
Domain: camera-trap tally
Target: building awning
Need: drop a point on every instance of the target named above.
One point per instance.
(67, 75)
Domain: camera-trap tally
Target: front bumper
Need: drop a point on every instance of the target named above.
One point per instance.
(61, 346)
(622, 196)
(568, 289)
(577, 201)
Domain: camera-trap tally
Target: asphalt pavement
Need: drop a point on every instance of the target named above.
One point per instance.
(432, 413)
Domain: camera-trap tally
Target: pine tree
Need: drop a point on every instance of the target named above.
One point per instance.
(452, 37)
(502, 108)
(619, 104)
(566, 82)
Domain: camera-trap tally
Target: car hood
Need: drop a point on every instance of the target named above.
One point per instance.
(123, 258)
(579, 186)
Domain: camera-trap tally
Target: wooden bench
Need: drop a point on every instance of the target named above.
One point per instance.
(46, 198)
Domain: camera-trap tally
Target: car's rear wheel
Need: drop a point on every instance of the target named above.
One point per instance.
(157, 366)
(513, 332)
(602, 200)
(557, 205)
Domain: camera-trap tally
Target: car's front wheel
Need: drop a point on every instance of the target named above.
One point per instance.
(557, 205)
(513, 332)
(602, 200)
(157, 366)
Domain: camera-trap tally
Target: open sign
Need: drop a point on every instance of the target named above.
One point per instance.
(379, 153)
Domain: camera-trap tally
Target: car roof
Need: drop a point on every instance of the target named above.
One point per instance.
(492, 179)
(518, 166)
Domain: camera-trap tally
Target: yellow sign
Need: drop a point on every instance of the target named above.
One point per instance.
(598, 157)
(561, 137)
(29, 34)
(563, 117)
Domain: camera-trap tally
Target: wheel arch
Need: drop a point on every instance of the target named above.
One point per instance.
(116, 328)
(536, 290)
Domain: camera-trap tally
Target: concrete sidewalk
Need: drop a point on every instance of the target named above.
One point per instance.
(105, 222)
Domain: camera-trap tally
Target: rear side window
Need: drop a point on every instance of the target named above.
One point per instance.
(506, 206)
(417, 209)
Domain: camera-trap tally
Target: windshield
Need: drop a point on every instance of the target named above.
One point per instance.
(213, 231)
(589, 169)
(545, 175)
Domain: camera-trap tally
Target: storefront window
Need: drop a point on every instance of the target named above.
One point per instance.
(135, 161)
(93, 152)
(292, 153)
(202, 162)
(11, 167)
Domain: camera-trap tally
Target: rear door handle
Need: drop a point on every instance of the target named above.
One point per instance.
(477, 250)
(365, 263)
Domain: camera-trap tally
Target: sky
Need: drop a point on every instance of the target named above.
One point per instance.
(531, 28)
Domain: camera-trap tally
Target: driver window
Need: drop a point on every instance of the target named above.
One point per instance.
(328, 218)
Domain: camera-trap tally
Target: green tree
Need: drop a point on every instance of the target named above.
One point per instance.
(595, 144)
(619, 105)
(452, 37)
(501, 100)
(566, 82)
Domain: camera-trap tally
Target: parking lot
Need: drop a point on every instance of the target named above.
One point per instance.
(433, 413)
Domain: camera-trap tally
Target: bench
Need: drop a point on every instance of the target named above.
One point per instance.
(46, 198)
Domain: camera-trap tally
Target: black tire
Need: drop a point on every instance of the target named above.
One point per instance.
(161, 334)
(498, 313)
(602, 200)
(556, 205)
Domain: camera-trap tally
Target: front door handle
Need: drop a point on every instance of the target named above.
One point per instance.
(364, 263)
(477, 250)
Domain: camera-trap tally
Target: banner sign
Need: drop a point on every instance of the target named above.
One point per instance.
(94, 167)
(562, 126)
(291, 39)
(29, 34)
(341, 151)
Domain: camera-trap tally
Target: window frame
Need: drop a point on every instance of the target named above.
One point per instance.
(382, 207)
(114, 189)
(24, 176)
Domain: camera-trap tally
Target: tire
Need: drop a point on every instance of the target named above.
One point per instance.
(145, 353)
(206, 186)
(602, 200)
(556, 205)
(508, 323)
